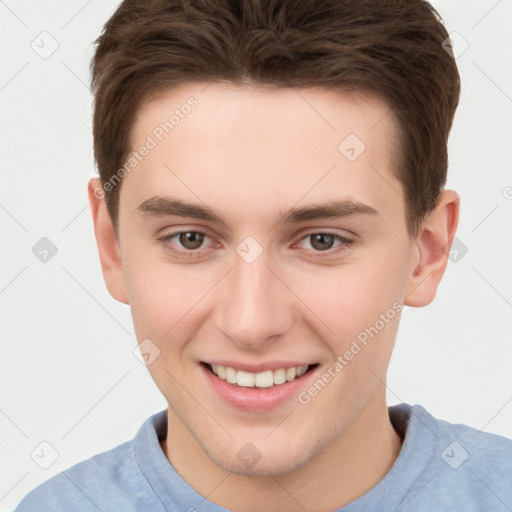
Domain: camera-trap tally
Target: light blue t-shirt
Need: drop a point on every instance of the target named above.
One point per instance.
(441, 467)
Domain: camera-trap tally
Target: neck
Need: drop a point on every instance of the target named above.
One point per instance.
(346, 470)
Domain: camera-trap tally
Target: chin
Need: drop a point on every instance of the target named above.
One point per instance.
(269, 460)
(280, 465)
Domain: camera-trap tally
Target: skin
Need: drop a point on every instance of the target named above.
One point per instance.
(250, 153)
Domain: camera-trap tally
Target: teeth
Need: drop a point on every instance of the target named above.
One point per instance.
(230, 375)
(265, 379)
(301, 370)
(291, 373)
(280, 376)
(245, 379)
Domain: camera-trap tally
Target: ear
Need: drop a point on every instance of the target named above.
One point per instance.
(106, 239)
(432, 248)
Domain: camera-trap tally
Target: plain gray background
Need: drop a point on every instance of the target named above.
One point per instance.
(70, 379)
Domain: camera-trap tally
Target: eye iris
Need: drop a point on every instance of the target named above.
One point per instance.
(322, 241)
(191, 239)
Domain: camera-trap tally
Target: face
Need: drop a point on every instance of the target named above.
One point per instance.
(263, 235)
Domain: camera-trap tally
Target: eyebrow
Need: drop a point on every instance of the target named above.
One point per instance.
(158, 206)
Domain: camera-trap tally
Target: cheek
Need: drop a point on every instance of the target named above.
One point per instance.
(361, 301)
(356, 294)
(160, 294)
(361, 305)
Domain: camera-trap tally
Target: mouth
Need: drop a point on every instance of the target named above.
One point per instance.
(264, 379)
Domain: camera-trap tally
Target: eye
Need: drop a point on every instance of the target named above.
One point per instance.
(187, 244)
(190, 241)
(324, 242)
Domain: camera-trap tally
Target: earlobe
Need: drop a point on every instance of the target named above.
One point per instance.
(432, 249)
(108, 245)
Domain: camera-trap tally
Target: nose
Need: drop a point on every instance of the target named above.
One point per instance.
(255, 307)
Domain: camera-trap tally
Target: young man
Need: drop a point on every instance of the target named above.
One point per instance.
(271, 195)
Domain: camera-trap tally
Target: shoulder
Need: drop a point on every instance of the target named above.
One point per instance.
(484, 458)
(465, 444)
(466, 466)
(86, 485)
(111, 480)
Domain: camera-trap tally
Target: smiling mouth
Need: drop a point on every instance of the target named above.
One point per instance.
(264, 379)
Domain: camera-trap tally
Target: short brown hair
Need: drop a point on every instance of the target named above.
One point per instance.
(392, 48)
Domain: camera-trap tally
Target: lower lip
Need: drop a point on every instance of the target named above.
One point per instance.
(256, 399)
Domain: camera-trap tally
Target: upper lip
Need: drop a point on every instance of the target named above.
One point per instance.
(260, 367)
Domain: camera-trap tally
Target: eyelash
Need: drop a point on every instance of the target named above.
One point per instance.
(345, 243)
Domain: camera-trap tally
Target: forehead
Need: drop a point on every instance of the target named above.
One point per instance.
(242, 143)
(225, 108)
